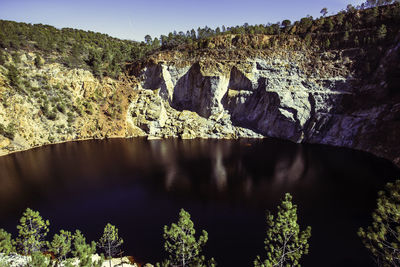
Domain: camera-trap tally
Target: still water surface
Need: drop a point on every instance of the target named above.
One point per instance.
(227, 186)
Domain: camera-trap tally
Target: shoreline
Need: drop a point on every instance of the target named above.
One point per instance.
(394, 161)
(147, 137)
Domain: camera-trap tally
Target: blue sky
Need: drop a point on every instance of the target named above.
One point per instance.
(135, 18)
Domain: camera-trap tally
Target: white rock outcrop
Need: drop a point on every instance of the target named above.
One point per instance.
(280, 97)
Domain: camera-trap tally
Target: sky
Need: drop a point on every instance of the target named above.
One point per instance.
(133, 19)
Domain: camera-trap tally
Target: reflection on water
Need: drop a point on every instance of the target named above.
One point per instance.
(226, 185)
(36, 173)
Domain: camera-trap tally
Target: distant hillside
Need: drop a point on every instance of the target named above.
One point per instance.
(366, 26)
(100, 53)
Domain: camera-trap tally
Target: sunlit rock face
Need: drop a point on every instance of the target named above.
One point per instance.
(154, 117)
(273, 97)
(286, 96)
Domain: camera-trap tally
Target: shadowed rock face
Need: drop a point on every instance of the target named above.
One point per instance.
(156, 118)
(199, 93)
(276, 102)
(280, 98)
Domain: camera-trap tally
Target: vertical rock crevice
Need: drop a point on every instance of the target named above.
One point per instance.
(199, 93)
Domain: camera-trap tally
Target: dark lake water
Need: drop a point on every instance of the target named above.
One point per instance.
(227, 186)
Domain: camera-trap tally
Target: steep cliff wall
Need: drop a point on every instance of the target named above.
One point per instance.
(303, 96)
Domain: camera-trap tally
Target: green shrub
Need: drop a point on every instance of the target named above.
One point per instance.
(61, 245)
(6, 243)
(3, 58)
(88, 108)
(13, 76)
(16, 58)
(39, 61)
(71, 117)
(84, 251)
(49, 113)
(39, 260)
(8, 131)
(61, 107)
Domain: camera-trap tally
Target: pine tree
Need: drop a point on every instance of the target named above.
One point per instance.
(148, 39)
(327, 43)
(329, 25)
(181, 244)
(346, 36)
(6, 243)
(308, 39)
(356, 41)
(110, 242)
(381, 32)
(285, 244)
(383, 237)
(339, 18)
(350, 8)
(61, 245)
(32, 232)
(156, 43)
(324, 11)
(84, 251)
(372, 15)
(286, 23)
(371, 3)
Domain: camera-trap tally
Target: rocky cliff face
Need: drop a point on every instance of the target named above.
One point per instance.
(310, 97)
(52, 104)
(300, 95)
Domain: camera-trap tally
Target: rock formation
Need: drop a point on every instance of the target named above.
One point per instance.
(309, 97)
(302, 95)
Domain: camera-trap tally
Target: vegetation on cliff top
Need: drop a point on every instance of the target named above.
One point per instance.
(102, 54)
(365, 25)
(364, 32)
(372, 23)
